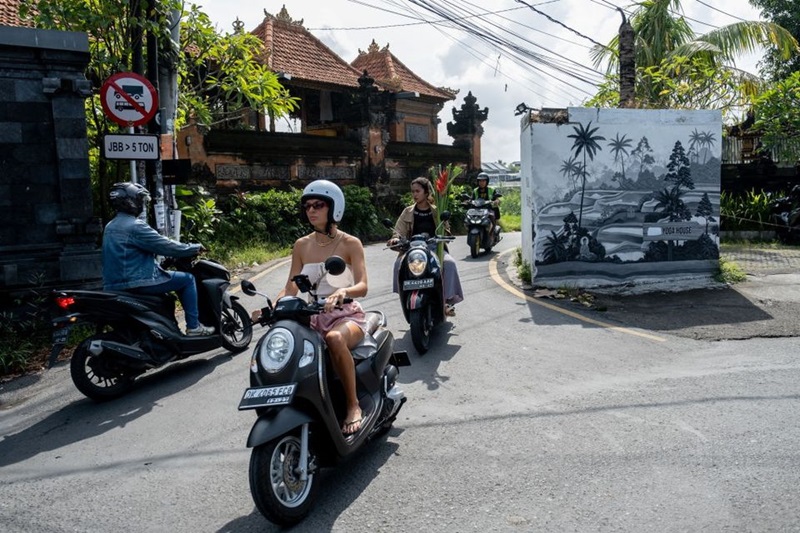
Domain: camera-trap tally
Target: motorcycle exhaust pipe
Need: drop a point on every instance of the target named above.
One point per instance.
(132, 356)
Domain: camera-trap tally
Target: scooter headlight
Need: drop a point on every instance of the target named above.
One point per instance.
(276, 350)
(417, 260)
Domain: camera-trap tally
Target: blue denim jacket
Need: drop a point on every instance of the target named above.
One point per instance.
(130, 248)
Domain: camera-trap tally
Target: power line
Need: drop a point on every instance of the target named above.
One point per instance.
(720, 11)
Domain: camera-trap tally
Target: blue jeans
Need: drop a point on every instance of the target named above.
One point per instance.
(183, 284)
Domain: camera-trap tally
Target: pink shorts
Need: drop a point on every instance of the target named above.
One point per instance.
(352, 312)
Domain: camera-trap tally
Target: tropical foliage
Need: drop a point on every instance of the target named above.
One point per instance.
(787, 14)
(777, 113)
(676, 68)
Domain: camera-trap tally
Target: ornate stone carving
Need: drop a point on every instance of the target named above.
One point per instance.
(283, 16)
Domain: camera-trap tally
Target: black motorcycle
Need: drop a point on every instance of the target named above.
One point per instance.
(420, 284)
(479, 220)
(785, 216)
(300, 401)
(135, 333)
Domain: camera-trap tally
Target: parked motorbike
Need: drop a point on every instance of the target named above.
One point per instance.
(136, 333)
(785, 215)
(479, 219)
(300, 400)
(420, 283)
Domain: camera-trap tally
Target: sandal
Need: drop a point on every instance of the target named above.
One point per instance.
(348, 428)
(449, 310)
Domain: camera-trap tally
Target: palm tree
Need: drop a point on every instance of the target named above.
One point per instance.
(619, 147)
(663, 34)
(586, 143)
(672, 204)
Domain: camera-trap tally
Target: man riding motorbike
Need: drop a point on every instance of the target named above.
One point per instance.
(484, 192)
(130, 248)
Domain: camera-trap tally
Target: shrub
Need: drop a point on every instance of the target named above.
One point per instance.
(749, 211)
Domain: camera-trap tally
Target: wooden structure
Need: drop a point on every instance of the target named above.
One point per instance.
(371, 122)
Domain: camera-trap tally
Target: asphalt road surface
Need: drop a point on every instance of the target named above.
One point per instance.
(524, 416)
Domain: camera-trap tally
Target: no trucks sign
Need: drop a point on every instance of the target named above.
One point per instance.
(129, 99)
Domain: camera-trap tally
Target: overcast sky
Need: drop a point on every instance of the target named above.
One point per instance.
(558, 32)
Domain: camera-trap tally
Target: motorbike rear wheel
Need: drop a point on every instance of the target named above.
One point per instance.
(278, 492)
(421, 324)
(236, 328)
(97, 377)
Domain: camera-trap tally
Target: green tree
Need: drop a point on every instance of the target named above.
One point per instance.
(585, 142)
(786, 13)
(663, 35)
(218, 74)
(777, 112)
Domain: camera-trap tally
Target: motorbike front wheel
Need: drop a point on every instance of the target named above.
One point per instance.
(279, 493)
(97, 377)
(236, 328)
(475, 246)
(421, 325)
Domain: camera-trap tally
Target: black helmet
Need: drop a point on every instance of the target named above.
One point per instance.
(128, 198)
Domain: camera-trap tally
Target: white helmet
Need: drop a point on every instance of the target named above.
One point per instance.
(330, 193)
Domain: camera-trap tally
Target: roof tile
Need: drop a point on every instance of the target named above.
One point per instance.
(9, 14)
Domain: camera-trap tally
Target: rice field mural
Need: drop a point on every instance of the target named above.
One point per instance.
(620, 195)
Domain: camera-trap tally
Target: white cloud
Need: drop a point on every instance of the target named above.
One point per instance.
(451, 58)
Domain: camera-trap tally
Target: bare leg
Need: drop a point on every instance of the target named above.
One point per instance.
(339, 341)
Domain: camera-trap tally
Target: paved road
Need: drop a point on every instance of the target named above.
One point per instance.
(525, 416)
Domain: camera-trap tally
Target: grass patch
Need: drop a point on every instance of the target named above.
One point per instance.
(523, 267)
(510, 223)
(729, 272)
(247, 256)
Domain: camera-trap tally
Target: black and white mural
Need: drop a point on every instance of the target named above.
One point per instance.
(619, 194)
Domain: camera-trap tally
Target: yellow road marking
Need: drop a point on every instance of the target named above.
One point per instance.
(495, 274)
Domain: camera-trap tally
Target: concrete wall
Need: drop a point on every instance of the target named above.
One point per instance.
(48, 236)
(639, 204)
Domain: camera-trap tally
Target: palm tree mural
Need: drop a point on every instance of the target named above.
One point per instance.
(707, 140)
(619, 147)
(695, 141)
(672, 205)
(585, 141)
(570, 168)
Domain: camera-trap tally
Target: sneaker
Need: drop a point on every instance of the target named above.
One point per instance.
(199, 331)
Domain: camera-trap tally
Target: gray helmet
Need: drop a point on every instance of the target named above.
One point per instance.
(483, 176)
(328, 192)
(128, 198)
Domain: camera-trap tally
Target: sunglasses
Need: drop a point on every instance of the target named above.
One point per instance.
(314, 205)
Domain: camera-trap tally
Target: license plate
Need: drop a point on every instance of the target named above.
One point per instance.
(267, 396)
(414, 284)
(61, 335)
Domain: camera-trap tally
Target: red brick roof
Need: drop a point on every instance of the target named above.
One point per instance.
(291, 49)
(389, 72)
(9, 14)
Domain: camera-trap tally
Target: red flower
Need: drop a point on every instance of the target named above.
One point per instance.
(441, 183)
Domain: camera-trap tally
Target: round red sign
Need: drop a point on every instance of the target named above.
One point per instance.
(129, 99)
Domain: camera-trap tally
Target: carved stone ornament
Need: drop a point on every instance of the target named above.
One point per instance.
(283, 16)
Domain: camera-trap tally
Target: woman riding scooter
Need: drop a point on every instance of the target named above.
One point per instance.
(419, 218)
(342, 325)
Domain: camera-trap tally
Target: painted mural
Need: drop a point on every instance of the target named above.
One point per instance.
(621, 195)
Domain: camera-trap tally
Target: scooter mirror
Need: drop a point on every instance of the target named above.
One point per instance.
(388, 223)
(445, 216)
(335, 265)
(248, 288)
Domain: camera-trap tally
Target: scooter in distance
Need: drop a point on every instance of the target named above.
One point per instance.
(136, 333)
(300, 400)
(479, 219)
(420, 283)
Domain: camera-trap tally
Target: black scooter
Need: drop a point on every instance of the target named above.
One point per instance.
(478, 219)
(136, 333)
(300, 401)
(420, 283)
